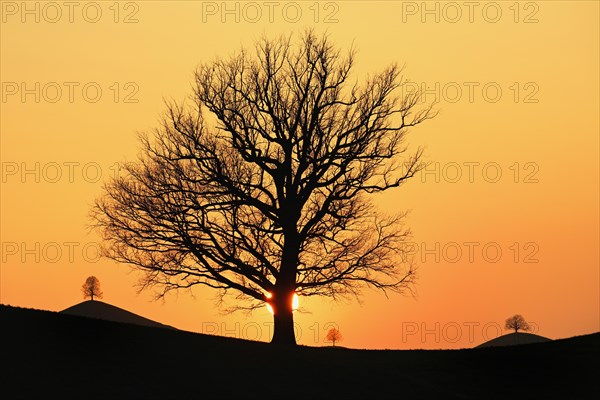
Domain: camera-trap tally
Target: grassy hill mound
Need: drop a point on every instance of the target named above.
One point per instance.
(53, 355)
(513, 339)
(101, 310)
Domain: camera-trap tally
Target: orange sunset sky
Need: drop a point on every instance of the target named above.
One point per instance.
(504, 221)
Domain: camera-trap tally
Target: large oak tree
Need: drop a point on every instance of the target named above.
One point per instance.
(260, 186)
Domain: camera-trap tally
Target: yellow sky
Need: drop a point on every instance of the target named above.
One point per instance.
(514, 155)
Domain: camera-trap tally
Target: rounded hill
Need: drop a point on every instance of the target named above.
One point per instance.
(513, 339)
(100, 310)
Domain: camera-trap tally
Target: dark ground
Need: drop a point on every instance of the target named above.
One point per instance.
(53, 356)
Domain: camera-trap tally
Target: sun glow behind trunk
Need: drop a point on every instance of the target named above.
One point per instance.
(295, 303)
(269, 307)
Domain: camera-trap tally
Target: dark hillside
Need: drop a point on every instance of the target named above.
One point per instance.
(51, 355)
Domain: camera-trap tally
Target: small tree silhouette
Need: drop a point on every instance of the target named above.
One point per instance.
(91, 288)
(517, 322)
(334, 335)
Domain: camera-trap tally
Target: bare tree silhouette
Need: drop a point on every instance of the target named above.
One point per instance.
(262, 186)
(91, 288)
(517, 322)
(334, 335)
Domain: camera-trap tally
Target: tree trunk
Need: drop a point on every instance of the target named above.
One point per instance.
(285, 286)
(283, 318)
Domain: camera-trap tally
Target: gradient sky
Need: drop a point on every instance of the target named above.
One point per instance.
(505, 221)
